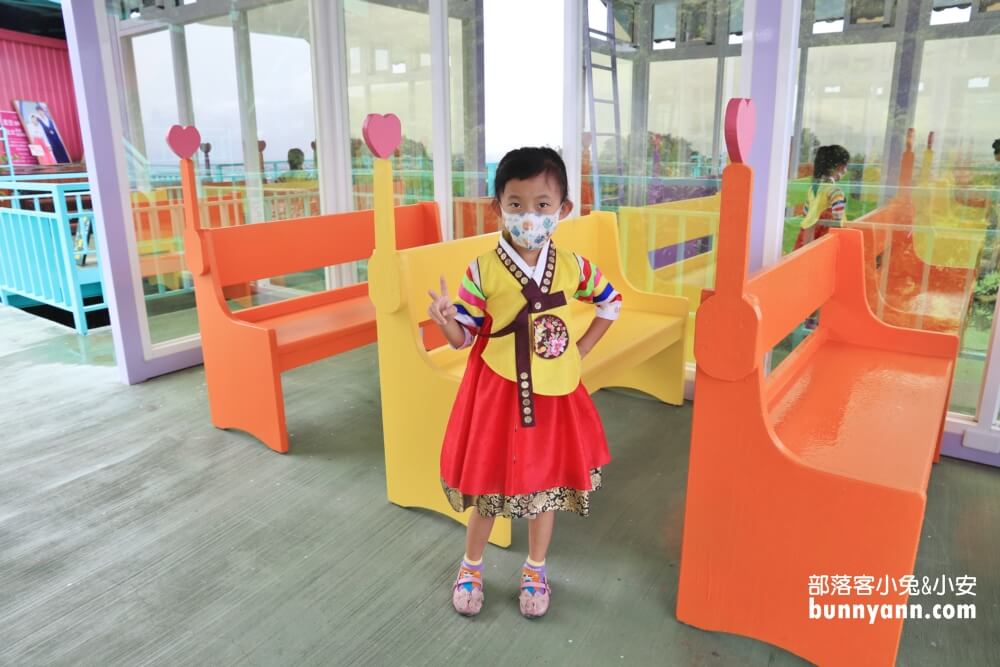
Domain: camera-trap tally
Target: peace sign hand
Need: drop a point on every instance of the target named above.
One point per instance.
(442, 310)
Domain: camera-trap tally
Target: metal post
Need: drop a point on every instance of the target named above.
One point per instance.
(333, 131)
(182, 75)
(441, 114)
(248, 116)
(769, 47)
(573, 97)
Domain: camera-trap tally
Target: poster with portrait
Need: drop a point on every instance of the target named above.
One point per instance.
(46, 143)
(18, 146)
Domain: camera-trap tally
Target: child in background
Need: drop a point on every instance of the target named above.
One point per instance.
(825, 201)
(524, 438)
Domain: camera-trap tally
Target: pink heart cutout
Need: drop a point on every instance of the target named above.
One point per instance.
(382, 133)
(183, 141)
(741, 123)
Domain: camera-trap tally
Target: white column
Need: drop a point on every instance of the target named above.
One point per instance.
(137, 134)
(182, 75)
(770, 43)
(441, 114)
(333, 127)
(248, 116)
(573, 96)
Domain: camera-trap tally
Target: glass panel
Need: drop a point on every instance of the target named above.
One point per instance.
(736, 17)
(665, 22)
(871, 12)
(928, 218)
(394, 41)
(472, 211)
(829, 16)
(846, 103)
(829, 10)
(669, 216)
(697, 21)
(962, 177)
(279, 71)
(682, 115)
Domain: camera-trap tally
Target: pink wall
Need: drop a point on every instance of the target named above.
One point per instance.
(37, 68)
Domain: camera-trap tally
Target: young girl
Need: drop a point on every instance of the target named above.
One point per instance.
(825, 202)
(524, 438)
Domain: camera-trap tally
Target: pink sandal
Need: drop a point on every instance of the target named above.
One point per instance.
(468, 600)
(534, 604)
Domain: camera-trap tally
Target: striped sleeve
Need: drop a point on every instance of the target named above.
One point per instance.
(595, 288)
(838, 204)
(471, 303)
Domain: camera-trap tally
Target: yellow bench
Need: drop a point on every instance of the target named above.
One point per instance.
(669, 248)
(945, 233)
(643, 350)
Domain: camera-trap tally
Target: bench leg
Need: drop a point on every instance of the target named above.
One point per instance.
(661, 376)
(244, 393)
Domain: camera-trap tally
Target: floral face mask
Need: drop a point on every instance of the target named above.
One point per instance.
(530, 230)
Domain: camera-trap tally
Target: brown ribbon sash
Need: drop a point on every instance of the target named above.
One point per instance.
(537, 300)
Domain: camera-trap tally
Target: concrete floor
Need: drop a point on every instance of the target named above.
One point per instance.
(132, 533)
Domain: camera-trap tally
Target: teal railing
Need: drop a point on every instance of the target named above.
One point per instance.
(47, 249)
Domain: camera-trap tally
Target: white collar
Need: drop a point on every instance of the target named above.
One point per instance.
(537, 272)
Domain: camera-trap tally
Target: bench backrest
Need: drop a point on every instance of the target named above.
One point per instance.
(792, 289)
(665, 242)
(240, 254)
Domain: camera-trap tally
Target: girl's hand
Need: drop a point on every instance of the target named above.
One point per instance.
(584, 349)
(442, 310)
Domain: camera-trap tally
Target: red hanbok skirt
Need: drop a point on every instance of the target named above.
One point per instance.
(489, 460)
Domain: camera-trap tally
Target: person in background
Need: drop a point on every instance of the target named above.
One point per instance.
(825, 201)
(993, 203)
(296, 161)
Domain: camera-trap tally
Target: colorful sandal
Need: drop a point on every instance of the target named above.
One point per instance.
(535, 592)
(467, 593)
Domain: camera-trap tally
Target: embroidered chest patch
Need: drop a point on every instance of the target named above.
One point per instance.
(551, 336)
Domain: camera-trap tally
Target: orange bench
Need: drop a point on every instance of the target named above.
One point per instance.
(819, 468)
(246, 350)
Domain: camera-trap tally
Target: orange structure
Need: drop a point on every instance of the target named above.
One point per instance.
(818, 469)
(246, 350)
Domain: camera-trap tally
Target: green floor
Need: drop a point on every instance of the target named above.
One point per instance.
(133, 533)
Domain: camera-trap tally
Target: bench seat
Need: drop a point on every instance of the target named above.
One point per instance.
(842, 416)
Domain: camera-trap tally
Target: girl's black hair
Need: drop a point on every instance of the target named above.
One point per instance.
(524, 163)
(828, 159)
(996, 146)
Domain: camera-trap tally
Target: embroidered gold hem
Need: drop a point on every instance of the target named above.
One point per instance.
(560, 498)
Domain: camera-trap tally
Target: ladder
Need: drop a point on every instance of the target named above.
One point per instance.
(589, 36)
